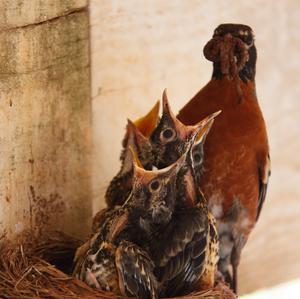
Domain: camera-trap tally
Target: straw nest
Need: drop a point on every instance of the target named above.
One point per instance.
(41, 269)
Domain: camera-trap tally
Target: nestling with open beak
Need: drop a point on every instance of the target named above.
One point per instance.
(136, 137)
(118, 256)
(237, 162)
(169, 141)
(170, 137)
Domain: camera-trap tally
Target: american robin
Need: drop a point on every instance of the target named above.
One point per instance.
(169, 140)
(116, 258)
(136, 136)
(237, 162)
(170, 137)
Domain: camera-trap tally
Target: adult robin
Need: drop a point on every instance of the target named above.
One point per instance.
(237, 162)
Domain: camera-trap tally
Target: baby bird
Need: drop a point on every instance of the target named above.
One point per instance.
(169, 140)
(136, 137)
(117, 257)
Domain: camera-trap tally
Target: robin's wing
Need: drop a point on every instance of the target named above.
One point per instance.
(80, 256)
(183, 259)
(264, 173)
(135, 270)
(183, 270)
(112, 223)
(179, 232)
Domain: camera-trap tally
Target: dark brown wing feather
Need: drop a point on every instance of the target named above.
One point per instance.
(135, 270)
(180, 231)
(183, 258)
(99, 219)
(184, 270)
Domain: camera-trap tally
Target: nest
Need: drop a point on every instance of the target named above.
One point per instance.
(41, 269)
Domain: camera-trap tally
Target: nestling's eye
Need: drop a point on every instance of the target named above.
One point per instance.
(154, 186)
(167, 135)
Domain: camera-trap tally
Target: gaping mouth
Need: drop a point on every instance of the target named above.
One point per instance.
(229, 51)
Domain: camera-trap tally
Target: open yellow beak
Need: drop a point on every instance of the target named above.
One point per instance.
(148, 123)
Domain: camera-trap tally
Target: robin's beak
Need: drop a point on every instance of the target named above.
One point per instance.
(201, 129)
(141, 175)
(148, 123)
(135, 133)
(186, 132)
(133, 137)
(145, 176)
(174, 168)
(181, 129)
(135, 159)
(166, 106)
(201, 136)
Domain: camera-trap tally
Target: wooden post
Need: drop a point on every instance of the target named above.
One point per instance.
(45, 117)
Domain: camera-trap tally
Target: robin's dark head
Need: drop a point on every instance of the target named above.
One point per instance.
(243, 32)
(171, 137)
(153, 193)
(232, 51)
(136, 137)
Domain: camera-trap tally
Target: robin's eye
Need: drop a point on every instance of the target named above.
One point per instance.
(154, 186)
(168, 135)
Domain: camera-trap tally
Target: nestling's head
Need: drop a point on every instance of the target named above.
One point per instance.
(153, 194)
(136, 137)
(171, 137)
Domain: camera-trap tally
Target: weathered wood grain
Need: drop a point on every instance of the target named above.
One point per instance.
(45, 118)
(139, 48)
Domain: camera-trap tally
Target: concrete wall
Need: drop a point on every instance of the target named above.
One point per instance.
(45, 117)
(140, 47)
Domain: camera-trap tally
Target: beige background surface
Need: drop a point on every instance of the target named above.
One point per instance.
(140, 47)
